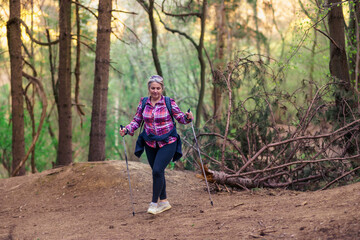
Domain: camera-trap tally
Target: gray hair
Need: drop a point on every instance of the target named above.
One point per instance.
(156, 78)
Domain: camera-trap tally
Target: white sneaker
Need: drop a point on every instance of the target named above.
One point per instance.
(163, 206)
(152, 208)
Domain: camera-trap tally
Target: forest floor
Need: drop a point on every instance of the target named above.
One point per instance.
(92, 201)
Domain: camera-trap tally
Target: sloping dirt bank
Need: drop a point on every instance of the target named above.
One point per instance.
(91, 201)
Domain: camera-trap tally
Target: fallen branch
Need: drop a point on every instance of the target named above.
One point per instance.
(337, 179)
(356, 158)
(293, 140)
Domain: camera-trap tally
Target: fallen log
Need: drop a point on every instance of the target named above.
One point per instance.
(232, 180)
(227, 179)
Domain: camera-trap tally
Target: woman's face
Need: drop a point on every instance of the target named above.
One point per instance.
(155, 90)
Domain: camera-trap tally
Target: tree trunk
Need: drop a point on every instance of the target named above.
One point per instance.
(312, 67)
(154, 38)
(17, 99)
(102, 61)
(64, 79)
(219, 59)
(257, 33)
(354, 29)
(54, 84)
(338, 61)
(77, 65)
(202, 64)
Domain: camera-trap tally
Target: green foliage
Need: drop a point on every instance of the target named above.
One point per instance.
(5, 139)
(45, 150)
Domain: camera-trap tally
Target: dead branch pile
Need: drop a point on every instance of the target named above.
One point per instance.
(271, 139)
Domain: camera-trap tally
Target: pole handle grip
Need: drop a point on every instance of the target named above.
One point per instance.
(121, 127)
(188, 111)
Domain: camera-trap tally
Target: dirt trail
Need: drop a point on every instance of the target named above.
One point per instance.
(91, 201)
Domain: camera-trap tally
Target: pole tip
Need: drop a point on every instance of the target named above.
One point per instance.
(212, 204)
(133, 214)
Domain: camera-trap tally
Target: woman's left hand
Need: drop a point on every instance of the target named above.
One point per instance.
(123, 131)
(189, 115)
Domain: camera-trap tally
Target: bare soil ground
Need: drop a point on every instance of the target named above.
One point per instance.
(91, 201)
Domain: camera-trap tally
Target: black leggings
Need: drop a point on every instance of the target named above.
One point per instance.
(158, 159)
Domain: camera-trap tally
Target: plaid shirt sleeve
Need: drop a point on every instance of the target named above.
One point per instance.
(178, 114)
(135, 123)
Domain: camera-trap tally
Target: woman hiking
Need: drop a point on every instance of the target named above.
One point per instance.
(159, 138)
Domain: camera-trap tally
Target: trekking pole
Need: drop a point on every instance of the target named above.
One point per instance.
(202, 165)
(128, 173)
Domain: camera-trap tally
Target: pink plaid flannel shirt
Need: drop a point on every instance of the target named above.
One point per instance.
(157, 120)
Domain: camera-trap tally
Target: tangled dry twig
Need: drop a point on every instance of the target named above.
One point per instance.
(307, 150)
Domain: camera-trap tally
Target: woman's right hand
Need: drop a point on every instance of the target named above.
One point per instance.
(122, 131)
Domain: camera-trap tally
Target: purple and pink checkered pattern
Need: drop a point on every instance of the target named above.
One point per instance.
(157, 120)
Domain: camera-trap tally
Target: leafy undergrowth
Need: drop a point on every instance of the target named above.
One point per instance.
(92, 201)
